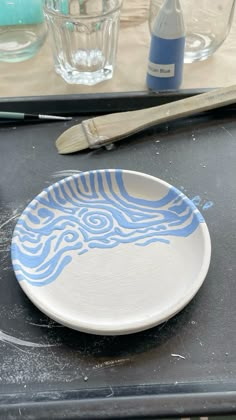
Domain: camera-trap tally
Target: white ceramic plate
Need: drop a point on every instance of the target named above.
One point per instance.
(111, 251)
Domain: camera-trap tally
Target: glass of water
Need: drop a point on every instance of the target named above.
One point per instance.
(84, 36)
(22, 29)
(207, 24)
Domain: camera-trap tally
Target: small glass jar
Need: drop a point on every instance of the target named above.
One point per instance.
(84, 37)
(207, 24)
(22, 29)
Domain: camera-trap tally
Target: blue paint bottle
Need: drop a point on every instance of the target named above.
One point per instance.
(166, 55)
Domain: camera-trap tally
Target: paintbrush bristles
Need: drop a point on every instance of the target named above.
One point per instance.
(98, 131)
(72, 140)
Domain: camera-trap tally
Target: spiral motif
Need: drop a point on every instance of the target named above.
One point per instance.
(93, 210)
(97, 222)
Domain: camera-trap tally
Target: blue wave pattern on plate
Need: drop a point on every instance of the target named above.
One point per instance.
(93, 210)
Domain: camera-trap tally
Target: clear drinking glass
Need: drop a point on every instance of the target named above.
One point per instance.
(84, 35)
(207, 23)
(22, 29)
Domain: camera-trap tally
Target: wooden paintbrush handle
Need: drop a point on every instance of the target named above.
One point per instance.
(115, 126)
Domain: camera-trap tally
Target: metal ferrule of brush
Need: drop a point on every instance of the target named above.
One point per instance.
(94, 139)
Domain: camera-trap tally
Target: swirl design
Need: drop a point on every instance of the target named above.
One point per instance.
(93, 210)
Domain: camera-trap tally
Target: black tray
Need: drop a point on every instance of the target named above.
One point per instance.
(75, 375)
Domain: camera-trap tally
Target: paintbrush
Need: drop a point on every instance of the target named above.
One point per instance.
(105, 129)
(30, 117)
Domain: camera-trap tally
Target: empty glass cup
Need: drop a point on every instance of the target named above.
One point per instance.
(207, 23)
(84, 35)
(22, 29)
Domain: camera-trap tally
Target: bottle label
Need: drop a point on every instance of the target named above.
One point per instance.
(161, 70)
